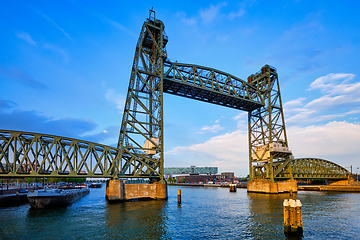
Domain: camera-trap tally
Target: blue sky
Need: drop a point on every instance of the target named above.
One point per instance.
(65, 68)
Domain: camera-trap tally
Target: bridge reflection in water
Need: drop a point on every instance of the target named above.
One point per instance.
(137, 220)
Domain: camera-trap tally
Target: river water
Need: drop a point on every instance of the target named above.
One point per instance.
(205, 213)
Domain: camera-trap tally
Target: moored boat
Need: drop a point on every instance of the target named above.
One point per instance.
(46, 198)
(95, 185)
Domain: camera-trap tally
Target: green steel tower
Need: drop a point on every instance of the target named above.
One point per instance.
(141, 134)
(268, 146)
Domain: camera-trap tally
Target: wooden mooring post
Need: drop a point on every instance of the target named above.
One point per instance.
(293, 216)
(179, 196)
(232, 187)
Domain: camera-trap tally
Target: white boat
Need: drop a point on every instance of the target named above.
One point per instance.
(46, 198)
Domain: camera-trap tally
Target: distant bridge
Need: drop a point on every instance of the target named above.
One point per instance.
(312, 168)
(191, 170)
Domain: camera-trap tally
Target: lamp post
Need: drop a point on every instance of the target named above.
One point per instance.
(357, 175)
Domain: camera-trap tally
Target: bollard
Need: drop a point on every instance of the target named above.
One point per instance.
(287, 227)
(292, 216)
(299, 216)
(179, 196)
(232, 187)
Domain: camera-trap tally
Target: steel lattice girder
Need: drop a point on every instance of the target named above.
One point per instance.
(210, 85)
(306, 168)
(191, 170)
(24, 154)
(141, 134)
(266, 125)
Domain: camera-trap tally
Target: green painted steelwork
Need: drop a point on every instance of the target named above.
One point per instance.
(210, 85)
(141, 134)
(191, 170)
(24, 154)
(266, 126)
(140, 149)
(313, 168)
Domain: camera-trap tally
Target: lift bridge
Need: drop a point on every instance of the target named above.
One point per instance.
(140, 149)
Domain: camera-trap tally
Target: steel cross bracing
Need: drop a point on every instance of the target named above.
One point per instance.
(210, 85)
(140, 149)
(313, 168)
(266, 126)
(141, 133)
(24, 154)
(191, 170)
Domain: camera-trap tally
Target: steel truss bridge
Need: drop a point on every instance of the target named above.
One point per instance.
(191, 170)
(140, 149)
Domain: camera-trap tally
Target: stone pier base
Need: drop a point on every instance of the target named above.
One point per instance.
(263, 186)
(116, 190)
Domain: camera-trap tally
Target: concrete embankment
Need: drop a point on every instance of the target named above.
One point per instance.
(206, 185)
(329, 188)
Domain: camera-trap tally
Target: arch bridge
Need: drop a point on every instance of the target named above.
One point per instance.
(312, 168)
(140, 149)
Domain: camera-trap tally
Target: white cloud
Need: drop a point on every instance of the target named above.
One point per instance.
(214, 129)
(105, 19)
(115, 24)
(26, 36)
(57, 50)
(329, 82)
(226, 150)
(340, 95)
(118, 99)
(294, 104)
(188, 21)
(57, 26)
(334, 141)
(233, 15)
(210, 13)
(241, 120)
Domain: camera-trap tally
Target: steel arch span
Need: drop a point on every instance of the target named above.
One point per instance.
(313, 168)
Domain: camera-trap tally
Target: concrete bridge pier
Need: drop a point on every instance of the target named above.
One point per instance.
(264, 186)
(116, 190)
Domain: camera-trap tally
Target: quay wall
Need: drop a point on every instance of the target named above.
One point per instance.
(330, 188)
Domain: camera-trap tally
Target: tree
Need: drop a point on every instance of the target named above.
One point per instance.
(171, 180)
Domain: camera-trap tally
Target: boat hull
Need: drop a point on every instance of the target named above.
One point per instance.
(54, 198)
(95, 185)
